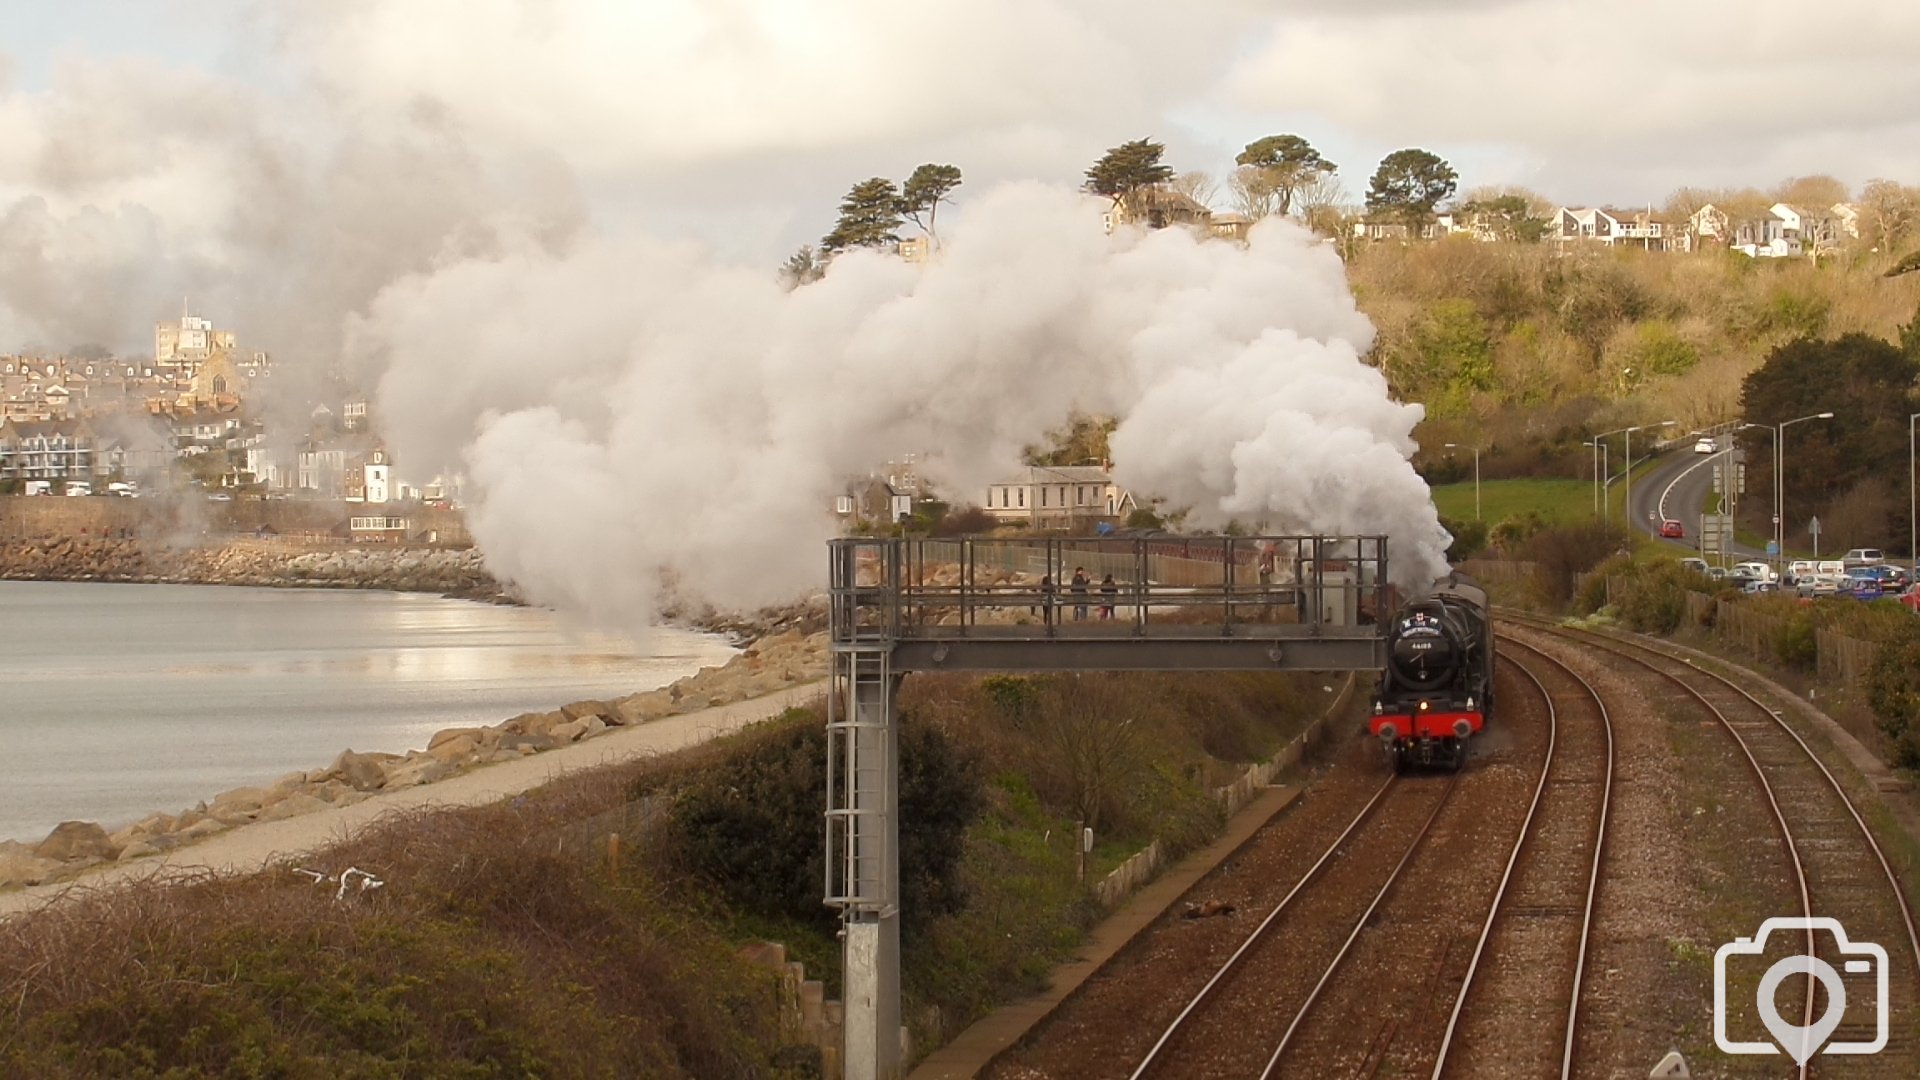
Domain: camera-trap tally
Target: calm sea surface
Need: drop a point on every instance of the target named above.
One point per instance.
(119, 700)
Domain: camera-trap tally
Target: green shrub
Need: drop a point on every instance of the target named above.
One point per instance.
(1893, 693)
(1469, 538)
(752, 824)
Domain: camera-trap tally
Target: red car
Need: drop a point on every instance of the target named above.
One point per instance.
(1672, 530)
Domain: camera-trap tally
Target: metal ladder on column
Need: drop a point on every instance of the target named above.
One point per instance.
(859, 788)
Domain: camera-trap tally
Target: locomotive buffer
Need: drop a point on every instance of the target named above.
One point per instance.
(1263, 603)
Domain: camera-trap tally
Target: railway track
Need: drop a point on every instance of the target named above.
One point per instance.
(1541, 922)
(1339, 939)
(1399, 818)
(1837, 867)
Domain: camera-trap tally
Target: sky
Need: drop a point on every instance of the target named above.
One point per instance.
(207, 133)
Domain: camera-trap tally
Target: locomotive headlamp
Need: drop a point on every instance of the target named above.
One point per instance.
(1469, 702)
(1424, 705)
(1378, 708)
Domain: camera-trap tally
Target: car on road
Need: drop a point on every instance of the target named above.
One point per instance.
(1863, 557)
(1698, 566)
(1910, 597)
(1717, 573)
(1819, 585)
(1889, 577)
(1757, 587)
(1862, 584)
(1757, 571)
(1706, 445)
(1672, 530)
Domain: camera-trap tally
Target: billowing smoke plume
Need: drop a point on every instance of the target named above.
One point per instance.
(632, 409)
(440, 196)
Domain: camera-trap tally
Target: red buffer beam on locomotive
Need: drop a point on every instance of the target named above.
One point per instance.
(1436, 692)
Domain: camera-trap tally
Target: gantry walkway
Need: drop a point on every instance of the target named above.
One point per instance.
(1150, 603)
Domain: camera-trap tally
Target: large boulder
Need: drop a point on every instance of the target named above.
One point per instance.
(455, 750)
(580, 710)
(366, 772)
(26, 869)
(417, 771)
(447, 735)
(240, 801)
(640, 708)
(293, 806)
(532, 723)
(568, 731)
(72, 840)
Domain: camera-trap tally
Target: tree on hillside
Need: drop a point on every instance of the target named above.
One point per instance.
(1274, 169)
(1511, 217)
(1889, 213)
(1319, 203)
(1126, 169)
(1684, 205)
(924, 191)
(1867, 383)
(1409, 185)
(869, 217)
(1201, 187)
(802, 267)
(1083, 441)
(1812, 192)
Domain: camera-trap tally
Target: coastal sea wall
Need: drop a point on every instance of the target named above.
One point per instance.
(457, 572)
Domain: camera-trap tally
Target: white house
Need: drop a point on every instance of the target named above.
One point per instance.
(1058, 495)
(1610, 228)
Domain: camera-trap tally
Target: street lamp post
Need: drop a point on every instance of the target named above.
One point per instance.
(1599, 457)
(1626, 470)
(1476, 476)
(1780, 486)
(1607, 470)
(1913, 499)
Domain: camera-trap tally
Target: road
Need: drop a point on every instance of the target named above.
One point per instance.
(1677, 488)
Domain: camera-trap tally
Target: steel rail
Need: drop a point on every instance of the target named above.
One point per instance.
(1593, 876)
(1360, 924)
(1866, 833)
(1779, 816)
(1312, 872)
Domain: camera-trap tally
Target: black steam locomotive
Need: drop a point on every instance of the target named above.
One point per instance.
(1437, 689)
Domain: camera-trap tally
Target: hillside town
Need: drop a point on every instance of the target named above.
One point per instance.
(200, 414)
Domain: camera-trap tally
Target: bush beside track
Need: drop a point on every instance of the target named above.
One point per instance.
(1870, 677)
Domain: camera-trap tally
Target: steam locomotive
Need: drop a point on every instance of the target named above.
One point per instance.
(1437, 689)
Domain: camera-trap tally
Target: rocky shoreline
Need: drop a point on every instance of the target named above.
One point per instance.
(455, 572)
(777, 662)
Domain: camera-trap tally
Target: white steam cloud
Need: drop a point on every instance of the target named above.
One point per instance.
(631, 410)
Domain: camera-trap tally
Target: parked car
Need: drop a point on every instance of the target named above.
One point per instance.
(1757, 587)
(1757, 571)
(1706, 445)
(1717, 573)
(1910, 596)
(1672, 530)
(1819, 585)
(1888, 576)
(124, 489)
(1698, 566)
(1863, 557)
(1862, 583)
(79, 488)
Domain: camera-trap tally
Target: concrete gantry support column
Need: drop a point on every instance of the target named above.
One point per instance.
(872, 950)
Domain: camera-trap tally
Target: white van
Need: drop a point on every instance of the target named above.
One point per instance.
(39, 487)
(79, 487)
